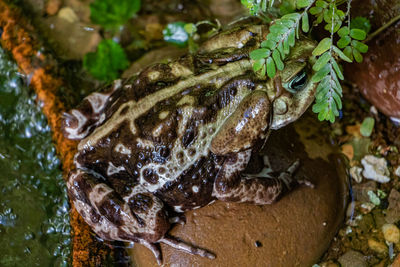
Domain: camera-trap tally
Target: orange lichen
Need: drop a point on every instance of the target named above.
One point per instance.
(18, 38)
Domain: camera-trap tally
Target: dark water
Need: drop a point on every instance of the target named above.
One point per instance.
(34, 218)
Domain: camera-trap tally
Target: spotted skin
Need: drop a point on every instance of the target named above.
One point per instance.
(177, 137)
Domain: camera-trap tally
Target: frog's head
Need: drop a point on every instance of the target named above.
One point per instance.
(294, 91)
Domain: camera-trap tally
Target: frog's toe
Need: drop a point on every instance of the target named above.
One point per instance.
(80, 122)
(175, 243)
(181, 219)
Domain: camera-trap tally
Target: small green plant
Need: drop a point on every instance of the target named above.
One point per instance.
(106, 63)
(283, 34)
(113, 13)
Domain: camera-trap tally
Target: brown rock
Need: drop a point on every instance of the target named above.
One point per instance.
(393, 211)
(295, 231)
(378, 76)
(70, 40)
(52, 7)
(352, 259)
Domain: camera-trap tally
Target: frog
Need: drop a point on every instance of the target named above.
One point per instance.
(179, 135)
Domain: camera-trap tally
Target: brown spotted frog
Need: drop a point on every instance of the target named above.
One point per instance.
(179, 135)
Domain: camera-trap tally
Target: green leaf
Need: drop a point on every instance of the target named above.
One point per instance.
(190, 28)
(175, 34)
(361, 23)
(357, 56)
(268, 44)
(263, 70)
(303, 3)
(344, 41)
(277, 58)
(107, 61)
(323, 46)
(315, 10)
(304, 23)
(292, 38)
(278, 29)
(337, 70)
(111, 13)
(348, 51)
(344, 31)
(341, 54)
(322, 61)
(271, 70)
(291, 16)
(258, 64)
(358, 34)
(367, 126)
(361, 47)
(319, 75)
(260, 53)
(321, 3)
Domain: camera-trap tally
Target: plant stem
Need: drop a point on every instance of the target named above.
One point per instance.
(382, 28)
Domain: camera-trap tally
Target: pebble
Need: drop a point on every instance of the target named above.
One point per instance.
(352, 259)
(68, 14)
(355, 173)
(391, 233)
(393, 211)
(377, 246)
(52, 7)
(375, 169)
(397, 171)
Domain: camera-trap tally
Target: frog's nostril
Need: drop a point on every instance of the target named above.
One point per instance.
(280, 106)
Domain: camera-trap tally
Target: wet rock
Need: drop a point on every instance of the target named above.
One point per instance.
(295, 231)
(352, 259)
(391, 233)
(375, 169)
(393, 211)
(377, 246)
(52, 7)
(70, 40)
(355, 173)
(378, 76)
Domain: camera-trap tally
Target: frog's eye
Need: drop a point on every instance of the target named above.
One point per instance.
(297, 83)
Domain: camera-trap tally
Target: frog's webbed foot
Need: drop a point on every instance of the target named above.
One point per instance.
(81, 121)
(175, 243)
(262, 188)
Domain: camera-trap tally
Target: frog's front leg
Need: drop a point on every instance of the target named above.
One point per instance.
(232, 185)
(247, 125)
(137, 217)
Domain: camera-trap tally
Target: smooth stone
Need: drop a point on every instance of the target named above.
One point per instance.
(295, 231)
(377, 76)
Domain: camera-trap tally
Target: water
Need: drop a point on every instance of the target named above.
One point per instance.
(34, 217)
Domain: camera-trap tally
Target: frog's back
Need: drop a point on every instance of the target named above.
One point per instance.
(156, 128)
